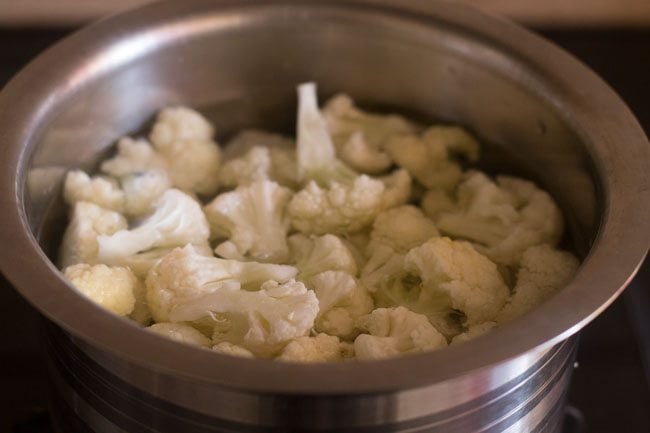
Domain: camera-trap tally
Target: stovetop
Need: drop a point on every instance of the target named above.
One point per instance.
(610, 390)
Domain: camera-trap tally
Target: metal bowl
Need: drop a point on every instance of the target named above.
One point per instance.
(539, 110)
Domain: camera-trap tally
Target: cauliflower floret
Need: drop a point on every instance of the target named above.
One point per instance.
(141, 190)
(88, 221)
(261, 321)
(320, 348)
(141, 312)
(382, 267)
(436, 201)
(253, 218)
(184, 139)
(110, 287)
(474, 332)
(177, 220)
(180, 332)
(543, 270)
(342, 300)
(316, 254)
(185, 274)
(141, 263)
(393, 332)
(254, 166)
(102, 191)
(455, 269)
(133, 156)
(345, 208)
(226, 348)
(428, 157)
(255, 155)
(401, 228)
(359, 137)
(505, 217)
(316, 156)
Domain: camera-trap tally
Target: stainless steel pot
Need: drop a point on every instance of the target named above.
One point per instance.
(540, 111)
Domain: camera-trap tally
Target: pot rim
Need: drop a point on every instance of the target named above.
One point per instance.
(597, 113)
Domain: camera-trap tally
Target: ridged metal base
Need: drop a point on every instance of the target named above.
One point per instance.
(91, 399)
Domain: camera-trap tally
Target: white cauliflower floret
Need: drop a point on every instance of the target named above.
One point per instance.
(429, 157)
(382, 267)
(180, 332)
(393, 332)
(185, 275)
(177, 220)
(133, 156)
(359, 137)
(227, 348)
(261, 321)
(102, 191)
(344, 208)
(316, 254)
(436, 201)
(342, 300)
(253, 218)
(141, 312)
(87, 222)
(320, 348)
(254, 166)
(474, 332)
(401, 228)
(110, 287)
(543, 270)
(282, 152)
(141, 190)
(455, 269)
(317, 159)
(505, 217)
(184, 139)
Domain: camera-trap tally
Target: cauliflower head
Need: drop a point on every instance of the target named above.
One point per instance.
(504, 218)
(184, 139)
(181, 333)
(341, 208)
(104, 192)
(177, 220)
(110, 287)
(429, 157)
(393, 332)
(319, 348)
(87, 222)
(359, 136)
(261, 321)
(253, 218)
(185, 275)
(456, 270)
(401, 228)
(342, 300)
(543, 270)
(315, 254)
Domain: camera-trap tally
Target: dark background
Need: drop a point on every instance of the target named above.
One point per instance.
(610, 390)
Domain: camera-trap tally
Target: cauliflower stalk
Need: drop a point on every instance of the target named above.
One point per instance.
(180, 332)
(253, 218)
